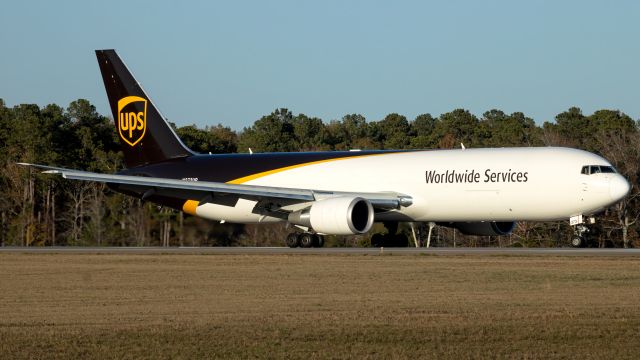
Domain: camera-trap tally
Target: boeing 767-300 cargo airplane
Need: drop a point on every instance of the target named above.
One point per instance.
(478, 191)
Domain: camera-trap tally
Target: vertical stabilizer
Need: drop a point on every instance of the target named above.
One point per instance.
(145, 136)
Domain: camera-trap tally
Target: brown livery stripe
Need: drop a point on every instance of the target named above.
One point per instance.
(285, 168)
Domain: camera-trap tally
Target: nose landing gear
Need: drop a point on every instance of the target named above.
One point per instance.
(581, 230)
(579, 238)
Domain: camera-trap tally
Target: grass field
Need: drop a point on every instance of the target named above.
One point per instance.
(123, 306)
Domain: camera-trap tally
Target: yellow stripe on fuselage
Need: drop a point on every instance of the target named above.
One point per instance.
(190, 206)
(274, 171)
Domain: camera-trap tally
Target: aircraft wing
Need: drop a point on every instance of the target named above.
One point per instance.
(222, 193)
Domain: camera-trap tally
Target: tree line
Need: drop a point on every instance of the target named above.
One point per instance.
(42, 210)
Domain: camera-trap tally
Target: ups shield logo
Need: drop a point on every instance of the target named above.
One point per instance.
(132, 119)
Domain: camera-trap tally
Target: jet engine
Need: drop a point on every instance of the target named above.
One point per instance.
(341, 215)
(485, 228)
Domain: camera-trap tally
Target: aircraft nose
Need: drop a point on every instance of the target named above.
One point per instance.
(618, 187)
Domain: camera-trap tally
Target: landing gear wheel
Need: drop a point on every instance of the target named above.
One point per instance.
(401, 240)
(307, 240)
(577, 241)
(318, 240)
(377, 240)
(394, 240)
(580, 236)
(391, 238)
(293, 240)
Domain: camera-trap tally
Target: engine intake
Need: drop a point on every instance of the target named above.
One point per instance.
(336, 216)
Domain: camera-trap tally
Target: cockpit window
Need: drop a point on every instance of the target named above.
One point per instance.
(597, 169)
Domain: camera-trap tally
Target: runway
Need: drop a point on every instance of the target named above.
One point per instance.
(325, 251)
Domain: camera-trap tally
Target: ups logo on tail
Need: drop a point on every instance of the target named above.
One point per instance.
(132, 119)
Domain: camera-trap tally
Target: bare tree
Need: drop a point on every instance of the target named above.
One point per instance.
(621, 148)
(78, 193)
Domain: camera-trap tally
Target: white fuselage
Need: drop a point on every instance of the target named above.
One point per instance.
(503, 184)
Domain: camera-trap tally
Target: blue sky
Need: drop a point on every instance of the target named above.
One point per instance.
(210, 62)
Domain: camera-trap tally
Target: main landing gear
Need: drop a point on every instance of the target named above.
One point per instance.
(390, 239)
(304, 240)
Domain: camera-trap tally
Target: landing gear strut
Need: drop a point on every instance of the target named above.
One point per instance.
(304, 240)
(580, 236)
(390, 239)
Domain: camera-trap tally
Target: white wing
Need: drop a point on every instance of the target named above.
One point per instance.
(222, 193)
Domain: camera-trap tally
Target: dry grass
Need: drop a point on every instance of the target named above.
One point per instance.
(284, 306)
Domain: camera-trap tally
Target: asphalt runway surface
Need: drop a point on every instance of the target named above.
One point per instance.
(324, 251)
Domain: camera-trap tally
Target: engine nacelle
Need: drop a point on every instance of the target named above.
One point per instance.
(487, 228)
(336, 216)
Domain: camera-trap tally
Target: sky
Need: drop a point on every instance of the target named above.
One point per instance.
(232, 62)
